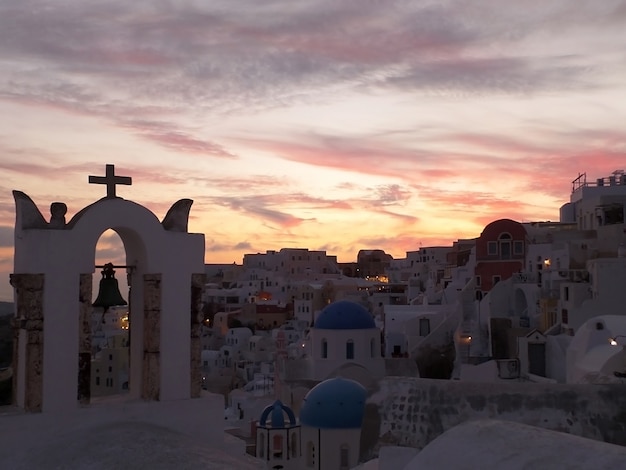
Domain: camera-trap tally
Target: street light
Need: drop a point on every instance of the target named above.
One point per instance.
(613, 340)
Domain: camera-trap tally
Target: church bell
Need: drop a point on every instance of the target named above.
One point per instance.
(109, 292)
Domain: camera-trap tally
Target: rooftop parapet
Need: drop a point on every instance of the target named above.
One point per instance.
(617, 178)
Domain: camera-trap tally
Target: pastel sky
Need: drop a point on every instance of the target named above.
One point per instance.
(333, 125)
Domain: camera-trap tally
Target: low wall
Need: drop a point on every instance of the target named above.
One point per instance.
(412, 411)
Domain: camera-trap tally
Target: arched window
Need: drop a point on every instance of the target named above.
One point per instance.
(324, 348)
(261, 445)
(344, 457)
(294, 445)
(350, 349)
(372, 347)
(504, 240)
(277, 446)
(310, 454)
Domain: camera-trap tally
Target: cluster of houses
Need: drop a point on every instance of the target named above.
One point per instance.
(537, 301)
(537, 297)
(543, 299)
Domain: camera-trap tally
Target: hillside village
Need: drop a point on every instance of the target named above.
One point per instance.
(300, 349)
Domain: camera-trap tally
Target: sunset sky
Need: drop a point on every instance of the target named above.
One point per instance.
(333, 125)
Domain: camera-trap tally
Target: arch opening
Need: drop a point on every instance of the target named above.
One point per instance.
(116, 336)
(110, 326)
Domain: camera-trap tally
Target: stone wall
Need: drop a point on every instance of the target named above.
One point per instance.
(151, 370)
(412, 412)
(29, 318)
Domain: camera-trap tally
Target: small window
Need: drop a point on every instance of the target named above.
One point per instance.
(277, 447)
(350, 349)
(478, 281)
(564, 316)
(324, 349)
(344, 457)
(496, 279)
(518, 247)
(294, 445)
(424, 326)
(97, 380)
(492, 248)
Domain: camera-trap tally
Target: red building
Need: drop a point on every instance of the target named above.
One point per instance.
(500, 252)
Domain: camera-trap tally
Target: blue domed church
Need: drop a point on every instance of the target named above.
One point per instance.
(278, 437)
(345, 341)
(331, 418)
(327, 435)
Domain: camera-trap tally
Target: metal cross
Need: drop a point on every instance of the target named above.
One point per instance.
(111, 180)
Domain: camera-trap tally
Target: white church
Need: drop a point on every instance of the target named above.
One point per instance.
(326, 436)
(345, 340)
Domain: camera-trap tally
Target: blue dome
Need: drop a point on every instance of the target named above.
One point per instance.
(344, 315)
(276, 412)
(334, 404)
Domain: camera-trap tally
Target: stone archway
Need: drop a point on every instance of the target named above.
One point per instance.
(53, 268)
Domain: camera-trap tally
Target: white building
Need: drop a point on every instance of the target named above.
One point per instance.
(327, 435)
(604, 294)
(331, 417)
(237, 338)
(597, 350)
(344, 338)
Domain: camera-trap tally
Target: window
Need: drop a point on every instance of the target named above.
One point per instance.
(294, 445)
(492, 248)
(495, 280)
(97, 380)
(277, 447)
(344, 457)
(350, 349)
(505, 250)
(504, 242)
(518, 247)
(477, 281)
(324, 349)
(566, 293)
(424, 326)
(564, 316)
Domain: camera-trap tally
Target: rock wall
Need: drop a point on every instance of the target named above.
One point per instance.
(29, 290)
(412, 412)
